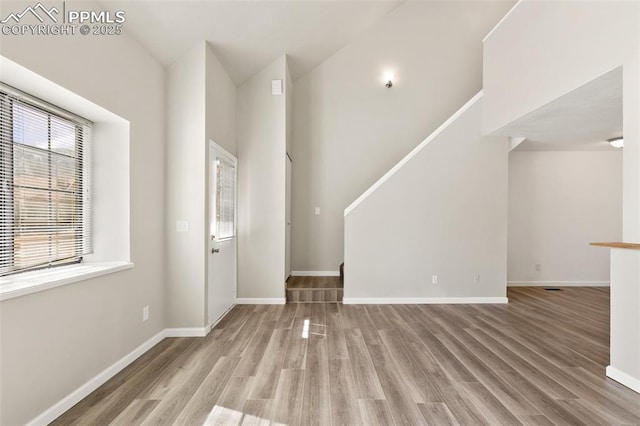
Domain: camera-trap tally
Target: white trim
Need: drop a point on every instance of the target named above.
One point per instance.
(57, 409)
(213, 324)
(34, 281)
(60, 407)
(413, 153)
(514, 141)
(423, 300)
(558, 283)
(623, 378)
(315, 273)
(501, 21)
(261, 301)
(187, 332)
(226, 153)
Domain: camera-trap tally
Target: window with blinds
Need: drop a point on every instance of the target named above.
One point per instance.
(225, 199)
(44, 184)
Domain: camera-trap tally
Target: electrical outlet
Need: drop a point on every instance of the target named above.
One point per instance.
(477, 279)
(538, 267)
(145, 313)
(434, 279)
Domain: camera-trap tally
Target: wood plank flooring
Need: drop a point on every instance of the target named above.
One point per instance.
(540, 360)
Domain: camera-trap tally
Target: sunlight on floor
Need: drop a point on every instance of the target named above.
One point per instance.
(226, 416)
(313, 329)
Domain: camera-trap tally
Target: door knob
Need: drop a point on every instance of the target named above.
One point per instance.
(215, 250)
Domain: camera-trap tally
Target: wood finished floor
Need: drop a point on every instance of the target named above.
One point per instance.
(539, 360)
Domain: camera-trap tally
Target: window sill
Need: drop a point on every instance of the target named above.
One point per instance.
(35, 281)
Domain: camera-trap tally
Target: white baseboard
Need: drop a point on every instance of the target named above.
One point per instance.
(187, 332)
(623, 378)
(213, 324)
(261, 301)
(423, 300)
(57, 409)
(557, 283)
(315, 273)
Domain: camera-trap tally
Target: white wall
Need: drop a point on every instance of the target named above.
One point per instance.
(186, 179)
(55, 340)
(560, 58)
(559, 202)
(261, 132)
(289, 113)
(220, 103)
(625, 326)
(201, 103)
(349, 129)
(527, 65)
(443, 213)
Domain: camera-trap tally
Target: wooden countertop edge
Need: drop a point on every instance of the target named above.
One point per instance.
(630, 246)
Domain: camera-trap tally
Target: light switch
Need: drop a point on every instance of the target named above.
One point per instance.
(317, 211)
(145, 313)
(182, 226)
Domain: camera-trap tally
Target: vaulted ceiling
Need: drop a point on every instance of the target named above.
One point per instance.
(248, 35)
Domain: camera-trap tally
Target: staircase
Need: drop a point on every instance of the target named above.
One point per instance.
(440, 211)
(314, 290)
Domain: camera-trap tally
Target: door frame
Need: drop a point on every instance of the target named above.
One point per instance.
(287, 214)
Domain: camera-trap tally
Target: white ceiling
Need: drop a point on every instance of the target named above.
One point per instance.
(581, 120)
(248, 35)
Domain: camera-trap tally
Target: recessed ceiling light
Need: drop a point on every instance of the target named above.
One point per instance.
(616, 142)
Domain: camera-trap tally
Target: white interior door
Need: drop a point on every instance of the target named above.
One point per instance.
(287, 256)
(222, 257)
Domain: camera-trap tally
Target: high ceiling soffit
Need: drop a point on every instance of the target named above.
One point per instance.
(581, 120)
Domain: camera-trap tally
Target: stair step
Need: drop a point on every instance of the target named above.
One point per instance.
(314, 290)
(314, 295)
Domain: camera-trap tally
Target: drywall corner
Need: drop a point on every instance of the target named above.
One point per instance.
(261, 132)
(220, 103)
(185, 186)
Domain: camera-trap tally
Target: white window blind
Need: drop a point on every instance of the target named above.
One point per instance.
(45, 204)
(225, 199)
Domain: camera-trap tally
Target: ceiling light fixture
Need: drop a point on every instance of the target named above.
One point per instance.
(616, 142)
(388, 78)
